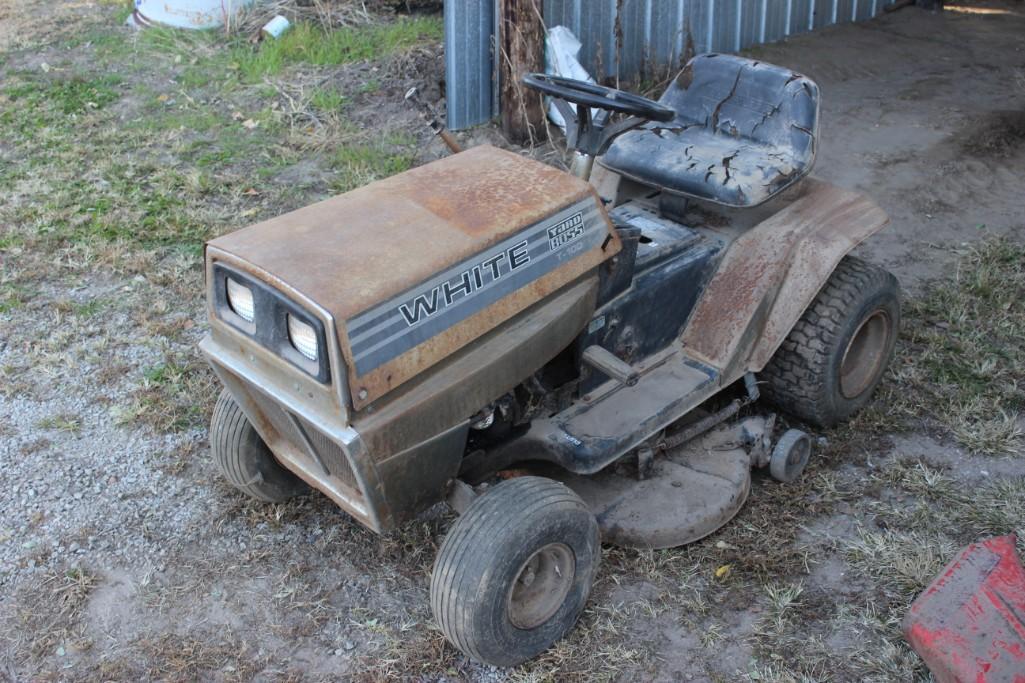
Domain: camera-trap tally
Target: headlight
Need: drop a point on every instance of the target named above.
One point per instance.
(303, 337)
(240, 298)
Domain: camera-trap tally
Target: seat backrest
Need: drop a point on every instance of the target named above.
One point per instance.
(744, 98)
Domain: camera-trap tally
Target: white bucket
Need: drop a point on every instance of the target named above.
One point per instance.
(275, 27)
(195, 14)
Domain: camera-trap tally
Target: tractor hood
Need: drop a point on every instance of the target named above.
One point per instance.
(416, 266)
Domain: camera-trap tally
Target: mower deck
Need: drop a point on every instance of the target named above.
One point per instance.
(686, 495)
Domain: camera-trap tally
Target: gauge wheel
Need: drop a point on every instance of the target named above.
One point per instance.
(514, 572)
(835, 356)
(244, 459)
(790, 456)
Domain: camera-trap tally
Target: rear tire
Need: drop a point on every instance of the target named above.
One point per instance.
(514, 573)
(244, 459)
(835, 356)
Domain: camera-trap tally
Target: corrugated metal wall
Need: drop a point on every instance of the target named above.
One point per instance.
(469, 29)
(652, 36)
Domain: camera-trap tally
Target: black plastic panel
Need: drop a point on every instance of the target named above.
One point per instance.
(651, 313)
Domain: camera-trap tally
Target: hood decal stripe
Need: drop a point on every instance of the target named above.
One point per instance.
(390, 329)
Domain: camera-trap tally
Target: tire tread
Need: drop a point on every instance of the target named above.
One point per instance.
(232, 439)
(795, 377)
(471, 544)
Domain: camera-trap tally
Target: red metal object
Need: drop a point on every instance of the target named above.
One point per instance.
(969, 624)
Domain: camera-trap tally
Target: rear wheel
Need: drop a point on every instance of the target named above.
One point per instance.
(244, 459)
(835, 356)
(513, 574)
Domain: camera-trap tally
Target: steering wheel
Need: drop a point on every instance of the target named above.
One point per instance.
(590, 135)
(598, 96)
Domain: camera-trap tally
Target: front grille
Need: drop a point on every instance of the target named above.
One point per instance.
(328, 451)
(331, 453)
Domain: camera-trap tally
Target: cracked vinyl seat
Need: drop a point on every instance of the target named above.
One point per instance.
(744, 131)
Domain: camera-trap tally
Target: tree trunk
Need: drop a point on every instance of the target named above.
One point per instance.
(521, 50)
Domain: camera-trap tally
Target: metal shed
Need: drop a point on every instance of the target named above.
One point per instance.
(626, 39)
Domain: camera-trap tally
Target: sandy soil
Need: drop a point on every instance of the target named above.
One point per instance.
(926, 114)
(923, 112)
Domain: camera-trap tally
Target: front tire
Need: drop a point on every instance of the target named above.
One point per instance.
(835, 356)
(243, 458)
(514, 573)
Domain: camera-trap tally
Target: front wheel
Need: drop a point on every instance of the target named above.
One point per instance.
(514, 572)
(790, 456)
(835, 356)
(244, 459)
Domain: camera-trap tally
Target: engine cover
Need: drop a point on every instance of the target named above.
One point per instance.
(415, 267)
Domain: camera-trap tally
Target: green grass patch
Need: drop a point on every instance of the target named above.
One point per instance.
(197, 59)
(62, 423)
(90, 308)
(145, 206)
(10, 241)
(196, 120)
(39, 110)
(307, 43)
(12, 296)
(328, 100)
(66, 96)
(963, 353)
(360, 164)
(166, 374)
(371, 86)
(110, 47)
(174, 395)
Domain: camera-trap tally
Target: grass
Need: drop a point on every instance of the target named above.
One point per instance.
(64, 96)
(50, 618)
(173, 656)
(360, 164)
(173, 396)
(61, 423)
(13, 295)
(963, 355)
(328, 100)
(902, 562)
(307, 43)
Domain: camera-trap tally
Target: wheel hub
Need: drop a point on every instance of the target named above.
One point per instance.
(798, 455)
(863, 360)
(541, 586)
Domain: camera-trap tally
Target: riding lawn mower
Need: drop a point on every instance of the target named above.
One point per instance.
(565, 358)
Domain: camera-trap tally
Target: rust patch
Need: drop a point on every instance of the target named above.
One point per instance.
(358, 249)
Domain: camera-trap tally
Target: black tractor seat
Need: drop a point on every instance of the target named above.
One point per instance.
(744, 131)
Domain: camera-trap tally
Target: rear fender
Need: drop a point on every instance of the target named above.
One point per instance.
(771, 274)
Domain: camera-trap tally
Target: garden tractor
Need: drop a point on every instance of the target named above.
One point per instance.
(565, 358)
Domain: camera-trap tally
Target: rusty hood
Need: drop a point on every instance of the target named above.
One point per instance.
(416, 266)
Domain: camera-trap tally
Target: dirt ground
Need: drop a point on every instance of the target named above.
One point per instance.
(124, 557)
